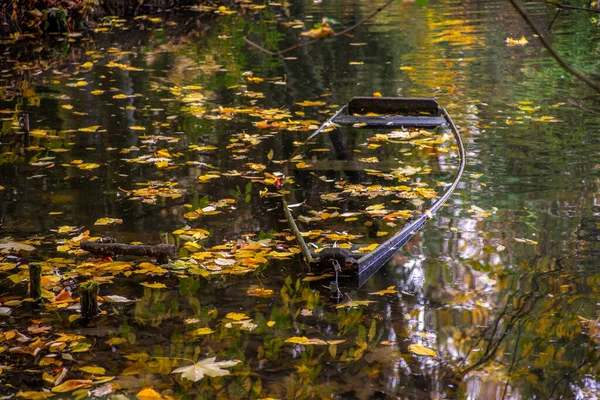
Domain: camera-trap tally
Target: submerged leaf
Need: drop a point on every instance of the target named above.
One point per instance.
(208, 367)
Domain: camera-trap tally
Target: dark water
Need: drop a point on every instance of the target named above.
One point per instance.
(502, 284)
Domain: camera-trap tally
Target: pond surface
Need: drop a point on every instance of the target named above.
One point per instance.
(177, 131)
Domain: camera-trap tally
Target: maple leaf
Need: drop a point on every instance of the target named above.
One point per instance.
(208, 367)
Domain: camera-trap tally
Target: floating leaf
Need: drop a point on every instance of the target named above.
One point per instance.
(355, 303)
(115, 341)
(307, 103)
(88, 166)
(389, 290)
(201, 331)
(208, 367)
(93, 370)
(114, 298)
(528, 241)
(66, 229)
(303, 340)
(35, 395)
(6, 245)
(73, 384)
(108, 221)
(259, 292)
(149, 394)
(154, 285)
(421, 350)
(516, 42)
(92, 128)
(236, 316)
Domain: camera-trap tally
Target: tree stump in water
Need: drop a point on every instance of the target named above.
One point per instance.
(35, 281)
(88, 299)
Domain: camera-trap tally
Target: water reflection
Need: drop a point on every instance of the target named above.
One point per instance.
(507, 318)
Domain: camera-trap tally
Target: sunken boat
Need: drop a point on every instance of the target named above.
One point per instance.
(368, 179)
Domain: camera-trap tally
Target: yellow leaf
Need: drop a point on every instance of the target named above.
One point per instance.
(270, 323)
(368, 248)
(71, 385)
(202, 331)
(74, 317)
(137, 128)
(154, 285)
(35, 395)
(376, 94)
(270, 155)
(97, 92)
(318, 33)
(307, 103)
(115, 341)
(88, 166)
(92, 128)
(389, 290)
(65, 229)
(236, 316)
(316, 278)
(81, 83)
(259, 292)
(108, 221)
(421, 350)
(516, 42)
(149, 394)
(303, 340)
(355, 303)
(87, 65)
(93, 370)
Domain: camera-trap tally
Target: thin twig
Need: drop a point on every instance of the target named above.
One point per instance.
(568, 7)
(553, 52)
(303, 44)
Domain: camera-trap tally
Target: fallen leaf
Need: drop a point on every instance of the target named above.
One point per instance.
(93, 370)
(208, 367)
(355, 303)
(73, 384)
(389, 290)
(421, 350)
(154, 285)
(303, 340)
(236, 316)
(149, 394)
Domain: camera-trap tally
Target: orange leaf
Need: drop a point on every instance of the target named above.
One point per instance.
(71, 385)
(64, 295)
(150, 394)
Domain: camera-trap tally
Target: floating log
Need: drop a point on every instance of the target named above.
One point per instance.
(159, 251)
(35, 281)
(88, 299)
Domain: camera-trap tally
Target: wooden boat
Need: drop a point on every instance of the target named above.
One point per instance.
(355, 159)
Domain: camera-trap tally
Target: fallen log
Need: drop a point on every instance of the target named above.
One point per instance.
(159, 251)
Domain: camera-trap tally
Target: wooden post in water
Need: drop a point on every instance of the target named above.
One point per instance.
(35, 281)
(88, 299)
